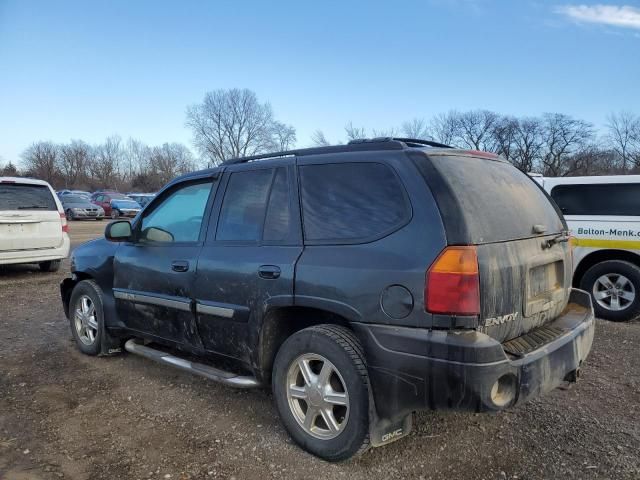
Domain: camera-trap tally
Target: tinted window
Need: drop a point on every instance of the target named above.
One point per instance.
(15, 196)
(178, 217)
(484, 201)
(601, 199)
(74, 199)
(243, 207)
(277, 221)
(351, 201)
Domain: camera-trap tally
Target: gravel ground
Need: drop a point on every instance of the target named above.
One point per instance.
(65, 415)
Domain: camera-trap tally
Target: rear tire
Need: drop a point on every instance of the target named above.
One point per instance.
(327, 414)
(86, 317)
(614, 286)
(50, 265)
(69, 215)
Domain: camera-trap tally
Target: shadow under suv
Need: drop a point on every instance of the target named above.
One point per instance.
(362, 282)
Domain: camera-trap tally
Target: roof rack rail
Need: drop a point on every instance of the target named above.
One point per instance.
(383, 143)
(419, 142)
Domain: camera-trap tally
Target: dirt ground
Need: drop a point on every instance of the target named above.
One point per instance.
(66, 415)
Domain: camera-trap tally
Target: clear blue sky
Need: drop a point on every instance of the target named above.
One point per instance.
(89, 69)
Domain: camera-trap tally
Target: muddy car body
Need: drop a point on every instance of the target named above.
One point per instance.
(363, 282)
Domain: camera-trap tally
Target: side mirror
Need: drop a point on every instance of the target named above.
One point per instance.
(119, 231)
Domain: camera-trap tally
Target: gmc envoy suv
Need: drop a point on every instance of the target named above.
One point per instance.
(361, 282)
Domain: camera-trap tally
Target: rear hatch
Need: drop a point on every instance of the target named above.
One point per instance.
(524, 259)
(29, 217)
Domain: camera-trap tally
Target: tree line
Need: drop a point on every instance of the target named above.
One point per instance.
(234, 123)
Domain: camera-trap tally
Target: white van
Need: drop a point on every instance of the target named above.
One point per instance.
(603, 214)
(33, 227)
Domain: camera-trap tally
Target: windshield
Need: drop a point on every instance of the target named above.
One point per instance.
(16, 196)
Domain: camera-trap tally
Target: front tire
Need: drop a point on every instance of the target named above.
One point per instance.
(69, 215)
(321, 390)
(614, 286)
(86, 316)
(50, 266)
(115, 213)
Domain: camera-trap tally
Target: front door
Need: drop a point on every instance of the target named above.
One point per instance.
(247, 264)
(154, 274)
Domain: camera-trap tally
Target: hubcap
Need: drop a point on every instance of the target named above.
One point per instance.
(85, 320)
(614, 291)
(317, 396)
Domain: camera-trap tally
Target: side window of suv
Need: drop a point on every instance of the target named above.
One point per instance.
(177, 218)
(351, 202)
(255, 207)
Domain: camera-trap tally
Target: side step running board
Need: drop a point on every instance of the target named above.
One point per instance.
(227, 378)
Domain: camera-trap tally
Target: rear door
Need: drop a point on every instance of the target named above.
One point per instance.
(154, 274)
(29, 217)
(247, 264)
(523, 254)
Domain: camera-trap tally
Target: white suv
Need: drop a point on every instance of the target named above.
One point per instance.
(603, 214)
(33, 227)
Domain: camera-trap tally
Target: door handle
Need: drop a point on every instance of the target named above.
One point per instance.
(269, 272)
(180, 266)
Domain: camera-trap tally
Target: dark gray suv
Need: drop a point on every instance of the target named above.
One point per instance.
(362, 282)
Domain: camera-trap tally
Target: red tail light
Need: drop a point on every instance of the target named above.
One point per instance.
(65, 225)
(452, 285)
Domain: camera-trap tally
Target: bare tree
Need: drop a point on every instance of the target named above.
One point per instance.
(416, 128)
(170, 160)
(445, 127)
(504, 132)
(284, 136)
(318, 139)
(354, 133)
(73, 162)
(623, 136)
(231, 123)
(41, 160)
(136, 156)
(475, 129)
(105, 164)
(563, 136)
(528, 144)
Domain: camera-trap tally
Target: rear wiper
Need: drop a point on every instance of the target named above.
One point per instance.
(560, 238)
(33, 207)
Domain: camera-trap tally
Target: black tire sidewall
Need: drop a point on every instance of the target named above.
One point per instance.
(629, 270)
(92, 291)
(352, 437)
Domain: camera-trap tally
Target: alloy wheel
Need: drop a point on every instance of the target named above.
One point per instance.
(614, 291)
(85, 320)
(317, 396)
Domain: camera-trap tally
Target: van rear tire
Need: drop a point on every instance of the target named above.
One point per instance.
(614, 286)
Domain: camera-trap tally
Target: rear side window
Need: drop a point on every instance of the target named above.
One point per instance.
(244, 205)
(277, 223)
(351, 202)
(16, 196)
(601, 199)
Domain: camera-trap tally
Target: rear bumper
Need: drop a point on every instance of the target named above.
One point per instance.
(415, 369)
(38, 255)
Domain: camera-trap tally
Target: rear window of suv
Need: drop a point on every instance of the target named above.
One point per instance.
(20, 196)
(484, 201)
(351, 202)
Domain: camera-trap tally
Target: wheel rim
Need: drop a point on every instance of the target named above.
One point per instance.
(114, 214)
(85, 320)
(317, 396)
(614, 292)
(68, 215)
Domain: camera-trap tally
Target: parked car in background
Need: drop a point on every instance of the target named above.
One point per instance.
(33, 227)
(82, 193)
(77, 207)
(124, 207)
(142, 198)
(62, 192)
(103, 199)
(362, 282)
(603, 214)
